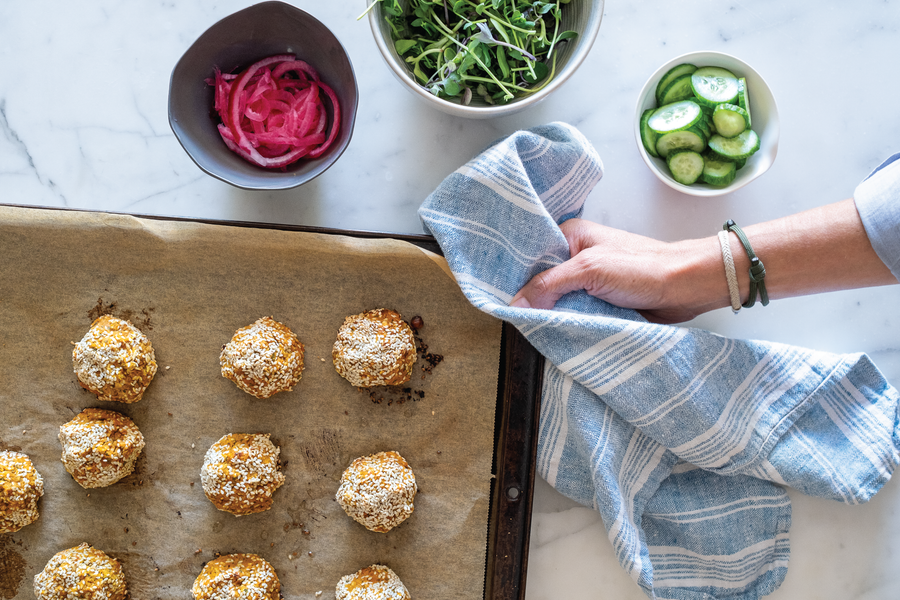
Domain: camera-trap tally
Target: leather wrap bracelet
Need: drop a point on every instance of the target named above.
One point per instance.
(757, 269)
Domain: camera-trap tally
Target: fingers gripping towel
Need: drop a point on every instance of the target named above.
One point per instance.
(680, 438)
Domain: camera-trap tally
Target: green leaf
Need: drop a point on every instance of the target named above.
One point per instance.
(404, 46)
(396, 27)
(500, 29)
(467, 59)
(483, 52)
(501, 62)
(540, 71)
(420, 75)
(430, 29)
(566, 35)
(453, 85)
(392, 8)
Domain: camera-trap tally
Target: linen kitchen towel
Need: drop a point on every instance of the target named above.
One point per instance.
(682, 439)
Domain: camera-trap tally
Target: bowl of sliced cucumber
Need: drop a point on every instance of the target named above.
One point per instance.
(706, 124)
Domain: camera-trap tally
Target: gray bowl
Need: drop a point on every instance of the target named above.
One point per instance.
(235, 43)
(582, 16)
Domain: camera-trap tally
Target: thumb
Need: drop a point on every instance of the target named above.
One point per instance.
(547, 287)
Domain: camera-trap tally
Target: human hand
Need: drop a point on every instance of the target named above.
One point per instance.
(672, 282)
(625, 269)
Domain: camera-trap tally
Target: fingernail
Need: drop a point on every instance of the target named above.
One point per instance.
(520, 303)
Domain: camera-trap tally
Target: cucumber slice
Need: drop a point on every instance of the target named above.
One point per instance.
(704, 126)
(678, 90)
(714, 85)
(689, 139)
(730, 120)
(686, 166)
(670, 76)
(648, 136)
(717, 172)
(736, 148)
(674, 117)
(744, 97)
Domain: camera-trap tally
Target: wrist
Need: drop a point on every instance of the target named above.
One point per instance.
(697, 275)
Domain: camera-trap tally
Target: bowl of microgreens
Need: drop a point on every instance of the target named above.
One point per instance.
(484, 58)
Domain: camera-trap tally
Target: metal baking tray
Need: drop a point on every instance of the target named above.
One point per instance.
(515, 428)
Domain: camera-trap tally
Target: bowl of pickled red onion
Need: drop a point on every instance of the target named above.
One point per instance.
(265, 99)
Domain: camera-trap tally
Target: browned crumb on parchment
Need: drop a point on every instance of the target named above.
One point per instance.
(142, 319)
(425, 364)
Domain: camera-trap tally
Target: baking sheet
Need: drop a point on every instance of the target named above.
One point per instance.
(189, 286)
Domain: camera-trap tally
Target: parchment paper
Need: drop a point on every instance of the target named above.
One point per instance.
(188, 287)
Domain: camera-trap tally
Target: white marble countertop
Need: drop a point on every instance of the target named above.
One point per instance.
(83, 94)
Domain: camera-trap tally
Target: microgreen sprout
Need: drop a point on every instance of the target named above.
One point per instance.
(484, 36)
(495, 49)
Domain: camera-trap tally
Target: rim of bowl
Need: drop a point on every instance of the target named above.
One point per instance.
(267, 180)
(485, 112)
(768, 135)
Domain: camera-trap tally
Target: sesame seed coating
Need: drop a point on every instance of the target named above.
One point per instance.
(376, 347)
(114, 360)
(80, 573)
(237, 577)
(100, 447)
(263, 358)
(20, 488)
(377, 491)
(241, 472)
(376, 582)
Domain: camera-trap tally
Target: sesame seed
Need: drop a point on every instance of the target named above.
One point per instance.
(373, 348)
(375, 582)
(263, 358)
(20, 488)
(81, 572)
(114, 360)
(377, 491)
(241, 472)
(237, 577)
(100, 447)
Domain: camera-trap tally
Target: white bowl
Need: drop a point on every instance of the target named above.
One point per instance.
(583, 16)
(763, 112)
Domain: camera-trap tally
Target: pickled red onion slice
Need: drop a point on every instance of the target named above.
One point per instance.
(274, 113)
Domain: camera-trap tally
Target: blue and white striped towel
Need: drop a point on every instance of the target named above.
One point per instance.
(679, 437)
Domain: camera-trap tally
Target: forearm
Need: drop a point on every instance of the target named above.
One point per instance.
(820, 250)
